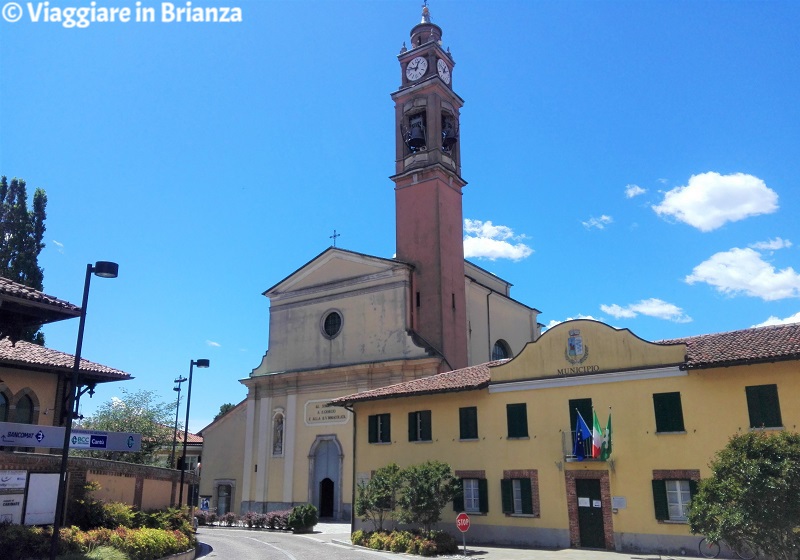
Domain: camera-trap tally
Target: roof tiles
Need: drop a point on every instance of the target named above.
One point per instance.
(26, 353)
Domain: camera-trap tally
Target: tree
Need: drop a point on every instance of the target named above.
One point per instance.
(752, 494)
(429, 487)
(139, 413)
(21, 234)
(376, 500)
(223, 410)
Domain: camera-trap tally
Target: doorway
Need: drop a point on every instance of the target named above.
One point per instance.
(326, 498)
(590, 513)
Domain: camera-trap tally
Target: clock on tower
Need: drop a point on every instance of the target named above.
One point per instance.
(428, 187)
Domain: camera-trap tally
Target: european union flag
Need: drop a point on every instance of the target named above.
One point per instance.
(582, 432)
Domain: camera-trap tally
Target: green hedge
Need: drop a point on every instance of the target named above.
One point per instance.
(411, 542)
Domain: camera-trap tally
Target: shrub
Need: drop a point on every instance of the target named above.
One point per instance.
(378, 540)
(399, 541)
(445, 542)
(149, 544)
(278, 519)
(117, 514)
(358, 537)
(427, 548)
(18, 542)
(304, 516)
(254, 519)
(229, 519)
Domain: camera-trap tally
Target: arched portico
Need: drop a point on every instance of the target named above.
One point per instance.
(325, 468)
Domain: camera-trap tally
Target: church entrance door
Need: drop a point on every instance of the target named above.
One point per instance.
(326, 498)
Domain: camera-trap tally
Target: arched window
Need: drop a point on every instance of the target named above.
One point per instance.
(24, 413)
(501, 351)
(3, 408)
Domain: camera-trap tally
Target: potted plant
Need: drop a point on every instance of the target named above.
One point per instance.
(303, 518)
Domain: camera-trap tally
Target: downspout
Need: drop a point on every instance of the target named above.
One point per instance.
(353, 491)
(489, 324)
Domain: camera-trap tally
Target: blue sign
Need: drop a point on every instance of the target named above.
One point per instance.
(98, 441)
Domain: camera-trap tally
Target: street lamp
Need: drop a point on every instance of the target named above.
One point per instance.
(200, 364)
(103, 269)
(175, 430)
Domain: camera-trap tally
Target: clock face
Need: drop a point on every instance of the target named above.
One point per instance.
(444, 71)
(416, 68)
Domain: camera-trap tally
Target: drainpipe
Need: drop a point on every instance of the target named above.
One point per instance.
(353, 491)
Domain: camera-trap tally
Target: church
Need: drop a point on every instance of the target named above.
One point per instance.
(347, 322)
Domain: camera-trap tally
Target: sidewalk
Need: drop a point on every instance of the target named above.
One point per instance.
(339, 533)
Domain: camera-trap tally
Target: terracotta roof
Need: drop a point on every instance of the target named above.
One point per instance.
(465, 379)
(11, 288)
(760, 344)
(27, 354)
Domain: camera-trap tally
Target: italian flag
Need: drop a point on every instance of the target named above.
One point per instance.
(597, 437)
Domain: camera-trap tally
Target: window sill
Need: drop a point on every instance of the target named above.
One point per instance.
(520, 438)
(524, 515)
(476, 513)
(380, 443)
(671, 433)
(674, 522)
(421, 441)
(469, 439)
(767, 429)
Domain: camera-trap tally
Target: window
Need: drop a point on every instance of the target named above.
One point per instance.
(332, 324)
(517, 496)
(763, 406)
(671, 499)
(474, 496)
(517, 416)
(24, 414)
(419, 425)
(3, 408)
(468, 422)
(380, 428)
(519, 490)
(500, 351)
(669, 414)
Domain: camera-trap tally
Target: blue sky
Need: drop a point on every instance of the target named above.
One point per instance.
(633, 162)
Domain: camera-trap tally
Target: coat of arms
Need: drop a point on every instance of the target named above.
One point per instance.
(576, 352)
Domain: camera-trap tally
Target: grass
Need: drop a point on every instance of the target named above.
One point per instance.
(99, 553)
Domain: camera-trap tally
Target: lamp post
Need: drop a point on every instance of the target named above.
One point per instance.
(200, 364)
(103, 269)
(175, 430)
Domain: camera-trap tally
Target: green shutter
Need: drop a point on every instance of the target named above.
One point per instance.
(483, 495)
(693, 487)
(507, 494)
(527, 496)
(373, 429)
(763, 406)
(468, 422)
(458, 499)
(426, 431)
(669, 413)
(386, 428)
(412, 426)
(517, 417)
(660, 500)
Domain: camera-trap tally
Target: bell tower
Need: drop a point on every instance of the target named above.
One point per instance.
(428, 187)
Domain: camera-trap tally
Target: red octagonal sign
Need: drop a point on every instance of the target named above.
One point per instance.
(462, 522)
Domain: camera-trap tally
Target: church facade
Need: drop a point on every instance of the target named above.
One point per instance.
(347, 322)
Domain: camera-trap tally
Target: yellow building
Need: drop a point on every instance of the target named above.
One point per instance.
(508, 430)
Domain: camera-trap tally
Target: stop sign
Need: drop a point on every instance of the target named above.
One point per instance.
(462, 522)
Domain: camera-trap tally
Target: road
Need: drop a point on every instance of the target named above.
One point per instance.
(222, 543)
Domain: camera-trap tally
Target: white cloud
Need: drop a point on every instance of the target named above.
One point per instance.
(710, 200)
(213, 344)
(776, 321)
(554, 322)
(772, 244)
(59, 245)
(652, 307)
(634, 190)
(744, 271)
(488, 241)
(599, 223)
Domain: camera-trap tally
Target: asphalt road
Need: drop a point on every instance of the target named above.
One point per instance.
(221, 543)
